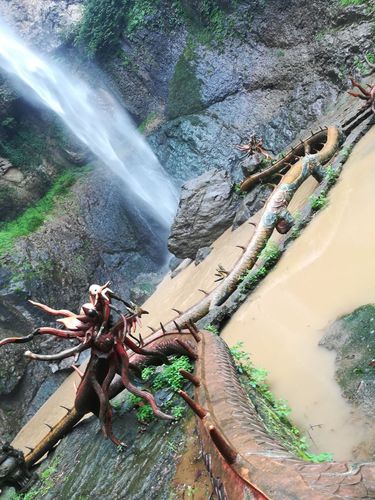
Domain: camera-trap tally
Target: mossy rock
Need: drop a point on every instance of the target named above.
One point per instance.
(353, 338)
(184, 89)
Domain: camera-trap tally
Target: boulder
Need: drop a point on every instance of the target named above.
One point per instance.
(251, 203)
(207, 208)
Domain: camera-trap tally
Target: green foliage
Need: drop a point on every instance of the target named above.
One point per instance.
(345, 153)
(34, 217)
(250, 279)
(138, 12)
(271, 253)
(147, 372)
(101, 27)
(145, 413)
(295, 233)
(277, 410)
(318, 202)
(170, 376)
(331, 175)
(212, 329)
(8, 122)
(346, 3)
(237, 189)
(208, 20)
(184, 89)
(25, 149)
(145, 125)
(178, 412)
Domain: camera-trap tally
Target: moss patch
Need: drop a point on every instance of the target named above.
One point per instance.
(33, 217)
(353, 338)
(184, 89)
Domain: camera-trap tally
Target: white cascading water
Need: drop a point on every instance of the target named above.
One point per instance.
(106, 130)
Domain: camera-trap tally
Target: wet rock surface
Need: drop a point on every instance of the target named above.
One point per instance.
(352, 337)
(86, 465)
(207, 208)
(45, 23)
(251, 202)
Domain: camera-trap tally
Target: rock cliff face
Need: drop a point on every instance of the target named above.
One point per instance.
(44, 23)
(197, 87)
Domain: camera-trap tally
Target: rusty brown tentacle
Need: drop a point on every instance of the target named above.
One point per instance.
(53, 312)
(17, 340)
(132, 388)
(61, 355)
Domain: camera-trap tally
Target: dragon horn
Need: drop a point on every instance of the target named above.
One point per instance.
(192, 378)
(196, 407)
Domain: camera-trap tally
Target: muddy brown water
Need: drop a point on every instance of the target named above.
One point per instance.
(327, 272)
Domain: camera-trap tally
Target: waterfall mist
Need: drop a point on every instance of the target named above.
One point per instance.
(100, 122)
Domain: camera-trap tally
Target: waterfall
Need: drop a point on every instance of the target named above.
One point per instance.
(106, 130)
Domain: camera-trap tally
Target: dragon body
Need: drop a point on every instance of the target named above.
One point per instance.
(244, 461)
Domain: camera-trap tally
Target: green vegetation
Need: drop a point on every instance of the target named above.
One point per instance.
(237, 189)
(345, 153)
(295, 233)
(168, 378)
(331, 175)
(34, 216)
(138, 12)
(45, 483)
(370, 6)
(360, 63)
(101, 27)
(184, 89)
(144, 410)
(25, 148)
(269, 256)
(346, 3)
(148, 122)
(105, 22)
(318, 202)
(298, 224)
(274, 412)
(250, 279)
(209, 21)
(213, 329)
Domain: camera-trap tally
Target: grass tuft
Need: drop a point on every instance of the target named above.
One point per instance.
(33, 217)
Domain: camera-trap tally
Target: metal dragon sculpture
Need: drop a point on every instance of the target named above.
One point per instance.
(243, 460)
